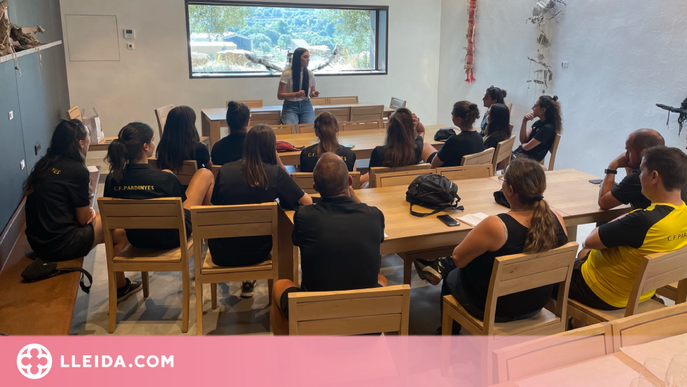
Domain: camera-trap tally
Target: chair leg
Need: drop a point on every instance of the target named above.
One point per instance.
(407, 270)
(186, 298)
(213, 294)
(446, 323)
(145, 283)
(270, 286)
(112, 299)
(199, 308)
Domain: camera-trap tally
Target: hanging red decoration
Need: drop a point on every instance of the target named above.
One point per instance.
(470, 35)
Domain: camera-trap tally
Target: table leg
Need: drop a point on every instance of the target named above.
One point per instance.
(572, 233)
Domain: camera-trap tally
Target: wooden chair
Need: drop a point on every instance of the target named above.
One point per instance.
(415, 167)
(74, 113)
(510, 106)
(540, 355)
(363, 113)
(188, 169)
(305, 128)
(161, 116)
(162, 213)
(282, 129)
(215, 170)
(649, 326)
(397, 103)
(503, 152)
(362, 125)
(553, 150)
(672, 292)
(341, 113)
(484, 157)
(305, 180)
(342, 100)
(350, 312)
(655, 271)
(232, 221)
(318, 101)
(251, 103)
(466, 172)
(267, 118)
(389, 179)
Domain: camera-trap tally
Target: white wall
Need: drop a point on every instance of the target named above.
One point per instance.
(156, 72)
(625, 56)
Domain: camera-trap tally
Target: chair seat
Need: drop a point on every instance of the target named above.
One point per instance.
(210, 268)
(610, 315)
(151, 255)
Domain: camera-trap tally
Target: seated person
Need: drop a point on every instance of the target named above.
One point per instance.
(467, 142)
(256, 178)
(492, 96)
(537, 141)
(629, 190)
(498, 128)
(60, 223)
(230, 148)
(131, 177)
(339, 239)
(604, 276)
(180, 141)
(529, 227)
(326, 127)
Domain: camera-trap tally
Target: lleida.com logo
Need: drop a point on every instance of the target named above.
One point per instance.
(34, 361)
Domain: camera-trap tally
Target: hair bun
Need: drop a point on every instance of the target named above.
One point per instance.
(555, 98)
(473, 106)
(503, 93)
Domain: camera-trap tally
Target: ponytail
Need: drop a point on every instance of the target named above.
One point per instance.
(127, 147)
(117, 156)
(326, 127)
(541, 235)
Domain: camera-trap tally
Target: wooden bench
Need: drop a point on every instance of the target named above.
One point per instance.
(40, 308)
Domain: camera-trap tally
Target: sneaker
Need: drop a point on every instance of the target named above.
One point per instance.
(419, 266)
(434, 271)
(128, 290)
(248, 289)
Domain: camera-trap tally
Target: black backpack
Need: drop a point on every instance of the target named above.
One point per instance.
(432, 191)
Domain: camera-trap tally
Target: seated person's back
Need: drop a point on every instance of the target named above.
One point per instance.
(403, 144)
(467, 142)
(180, 141)
(230, 148)
(498, 129)
(326, 127)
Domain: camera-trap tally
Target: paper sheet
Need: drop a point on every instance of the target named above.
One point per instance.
(92, 168)
(603, 372)
(472, 219)
(663, 349)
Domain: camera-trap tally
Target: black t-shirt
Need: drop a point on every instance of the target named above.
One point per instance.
(493, 140)
(464, 143)
(629, 190)
(202, 156)
(142, 181)
(545, 133)
(379, 152)
(309, 157)
(339, 241)
(228, 149)
(231, 188)
(51, 221)
(477, 274)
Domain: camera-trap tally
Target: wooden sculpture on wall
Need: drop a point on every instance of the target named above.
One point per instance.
(544, 11)
(5, 42)
(682, 111)
(470, 35)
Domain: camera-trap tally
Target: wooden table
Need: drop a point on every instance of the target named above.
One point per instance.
(568, 192)
(102, 145)
(214, 118)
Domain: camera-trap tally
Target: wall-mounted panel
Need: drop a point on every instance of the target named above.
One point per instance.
(92, 38)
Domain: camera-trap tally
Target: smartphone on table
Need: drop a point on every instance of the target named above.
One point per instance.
(448, 220)
(596, 181)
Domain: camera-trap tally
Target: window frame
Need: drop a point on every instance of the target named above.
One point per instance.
(266, 74)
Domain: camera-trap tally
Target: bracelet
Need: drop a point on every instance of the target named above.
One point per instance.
(612, 171)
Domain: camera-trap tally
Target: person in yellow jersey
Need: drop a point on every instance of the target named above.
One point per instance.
(604, 277)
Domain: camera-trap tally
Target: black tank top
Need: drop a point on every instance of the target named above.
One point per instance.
(477, 274)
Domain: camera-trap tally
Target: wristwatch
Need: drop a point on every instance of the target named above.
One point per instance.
(613, 171)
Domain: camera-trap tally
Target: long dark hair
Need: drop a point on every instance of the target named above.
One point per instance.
(64, 144)
(260, 147)
(297, 71)
(528, 180)
(400, 139)
(127, 147)
(179, 139)
(326, 127)
(553, 111)
(499, 122)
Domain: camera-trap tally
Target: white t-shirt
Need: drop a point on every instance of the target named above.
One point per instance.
(287, 78)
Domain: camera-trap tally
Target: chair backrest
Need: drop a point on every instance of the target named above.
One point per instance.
(215, 170)
(551, 352)
(305, 128)
(188, 169)
(350, 312)
(510, 106)
(282, 129)
(362, 125)
(415, 167)
(74, 113)
(251, 103)
(397, 103)
(649, 326)
(317, 101)
(268, 118)
(503, 152)
(342, 100)
(305, 180)
(519, 272)
(161, 116)
(362, 113)
(483, 157)
(341, 113)
(553, 150)
(655, 271)
(466, 172)
(389, 179)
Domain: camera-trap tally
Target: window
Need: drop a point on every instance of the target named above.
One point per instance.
(257, 39)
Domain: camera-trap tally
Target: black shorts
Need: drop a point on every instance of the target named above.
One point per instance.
(581, 292)
(159, 238)
(284, 300)
(76, 247)
(431, 157)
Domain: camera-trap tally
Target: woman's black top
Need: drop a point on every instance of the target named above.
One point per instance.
(309, 157)
(379, 152)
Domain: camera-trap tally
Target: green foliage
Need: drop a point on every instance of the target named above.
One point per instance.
(216, 20)
(281, 27)
(285, 41)
(352, 27)
(259, 39)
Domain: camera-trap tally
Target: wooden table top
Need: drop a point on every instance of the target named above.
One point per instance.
(219, 114)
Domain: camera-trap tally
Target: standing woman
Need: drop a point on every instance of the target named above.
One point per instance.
(296, 86)
(467, 142)
(537, 140)
(326, 128)
(491, 96)
(60, 223)
(180, 141)
(257, 178)
(498, 128)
